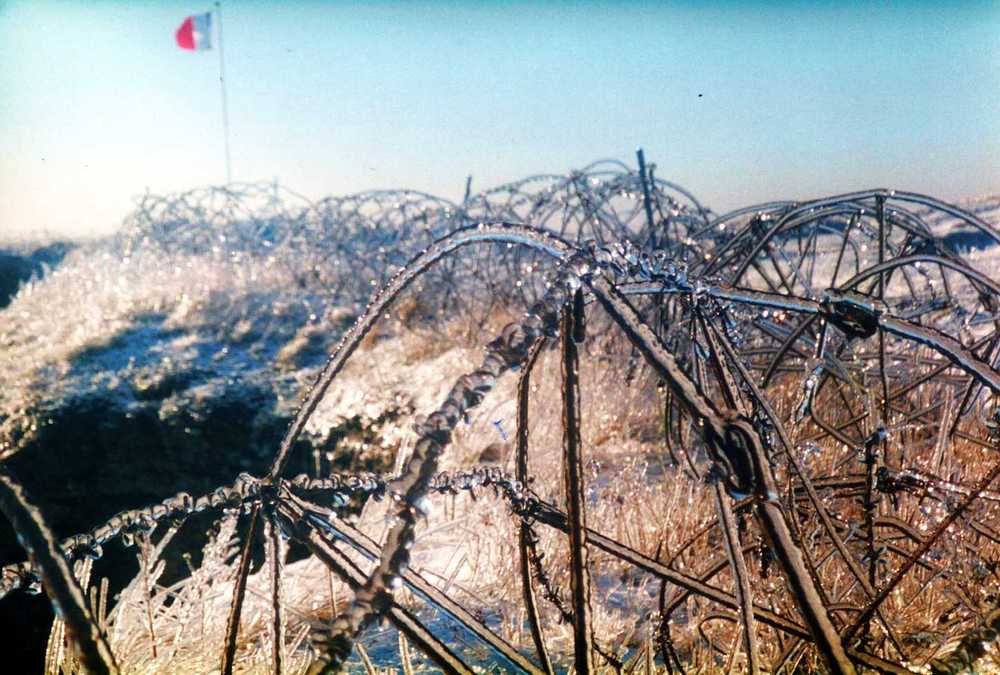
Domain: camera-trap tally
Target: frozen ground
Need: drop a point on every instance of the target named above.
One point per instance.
(172, 358)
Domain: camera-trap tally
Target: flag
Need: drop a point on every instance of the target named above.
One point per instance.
(196, 32)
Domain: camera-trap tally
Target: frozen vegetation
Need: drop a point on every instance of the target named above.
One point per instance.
(174, 355)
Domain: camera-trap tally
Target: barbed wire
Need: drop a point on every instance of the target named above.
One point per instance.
(850, 307)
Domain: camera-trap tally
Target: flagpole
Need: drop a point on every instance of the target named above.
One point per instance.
(222, 88)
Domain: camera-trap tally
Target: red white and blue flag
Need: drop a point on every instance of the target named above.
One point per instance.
(196, 32)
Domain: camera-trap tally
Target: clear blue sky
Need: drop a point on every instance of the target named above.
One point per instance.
(797, 99)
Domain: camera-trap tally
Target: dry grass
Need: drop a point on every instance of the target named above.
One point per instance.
(468, 546)
(636, 495)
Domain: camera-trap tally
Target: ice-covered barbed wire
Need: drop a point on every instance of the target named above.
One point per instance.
(506, 352)
(752, 281)
(347, 246)
(247, 490)
(620, 261)
(913, 480)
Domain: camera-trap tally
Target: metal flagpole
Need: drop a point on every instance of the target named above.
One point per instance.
(222, 87)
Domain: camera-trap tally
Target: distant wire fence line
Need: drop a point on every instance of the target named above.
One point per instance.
(351, 245)
(884, 340)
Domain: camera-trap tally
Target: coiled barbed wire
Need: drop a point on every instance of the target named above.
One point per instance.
(127, 526)
(750, 279)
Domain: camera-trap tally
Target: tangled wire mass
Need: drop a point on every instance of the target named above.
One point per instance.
(828, 369)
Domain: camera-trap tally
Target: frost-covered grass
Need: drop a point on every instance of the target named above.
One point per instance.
(467, 546)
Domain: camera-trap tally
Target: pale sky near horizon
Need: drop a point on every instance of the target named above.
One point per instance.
(738, 102)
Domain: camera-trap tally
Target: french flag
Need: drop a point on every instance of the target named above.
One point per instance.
(196, 32)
